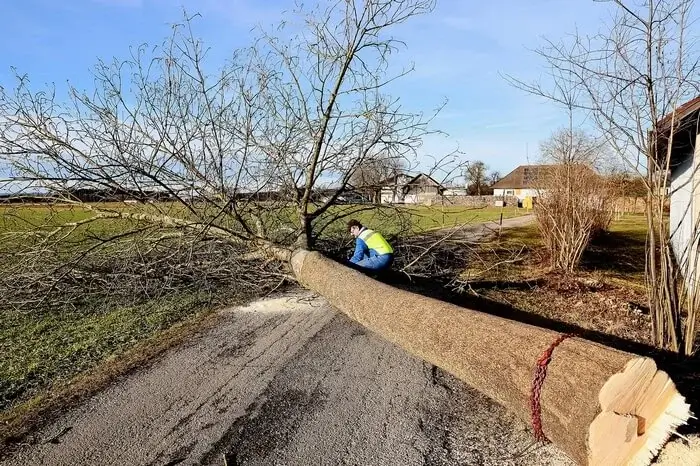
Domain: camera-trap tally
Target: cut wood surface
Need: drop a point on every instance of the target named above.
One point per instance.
(619, 400)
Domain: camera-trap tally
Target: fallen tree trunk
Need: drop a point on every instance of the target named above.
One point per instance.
(599, 405)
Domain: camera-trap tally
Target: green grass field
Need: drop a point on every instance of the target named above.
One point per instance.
(442, 217)
(412, 220)
(42, 350)
(280, 222)
(619, 253)
(421, 218)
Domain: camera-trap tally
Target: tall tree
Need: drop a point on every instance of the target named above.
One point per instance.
(572, 146)
(371, 172)
(475, 175)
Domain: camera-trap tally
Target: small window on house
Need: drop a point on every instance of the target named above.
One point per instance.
(509, 192)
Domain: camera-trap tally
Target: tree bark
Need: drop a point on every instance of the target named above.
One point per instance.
(498, 357)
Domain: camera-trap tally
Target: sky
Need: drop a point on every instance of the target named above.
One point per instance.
(460, 52)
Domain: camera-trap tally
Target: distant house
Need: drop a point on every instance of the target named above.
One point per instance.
(684, 177)
(406, 189)
(25, 198)
(521, 182)
(531, 181)
(391, 190)
(117, 194)
(455, 191)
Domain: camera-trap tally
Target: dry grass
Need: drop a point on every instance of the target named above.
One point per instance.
(585, 302)
(606, 295)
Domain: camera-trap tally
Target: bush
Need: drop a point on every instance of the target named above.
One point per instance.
(574, 204)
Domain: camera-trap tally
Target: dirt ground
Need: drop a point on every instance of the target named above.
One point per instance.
(585, 301)
(606, 294)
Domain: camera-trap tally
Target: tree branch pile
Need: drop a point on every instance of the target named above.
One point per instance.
(73, 266)
(214, 168)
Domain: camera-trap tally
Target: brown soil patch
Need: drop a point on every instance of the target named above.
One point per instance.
(584, 300)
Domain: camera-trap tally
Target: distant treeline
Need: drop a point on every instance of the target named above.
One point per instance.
(123, 195)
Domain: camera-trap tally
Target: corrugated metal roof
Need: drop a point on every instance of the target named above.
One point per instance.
(682, 139)
(681, 112)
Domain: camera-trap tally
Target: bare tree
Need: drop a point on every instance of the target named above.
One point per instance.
(475, 175)
(574, 202)
(371, 172)
(640, 68)
(572, 146)
(494, 176)
(234, 156)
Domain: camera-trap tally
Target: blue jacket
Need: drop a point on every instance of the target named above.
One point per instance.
(361, 250)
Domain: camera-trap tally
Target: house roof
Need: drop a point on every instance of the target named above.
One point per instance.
(682, 112)
(411, 179)
(685, 119)
(525, 176)
(394, 179)
(428, 178)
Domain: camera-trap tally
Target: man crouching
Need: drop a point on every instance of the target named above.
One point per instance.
(372, 251)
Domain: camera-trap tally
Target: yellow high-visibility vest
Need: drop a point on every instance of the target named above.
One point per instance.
(376, 241)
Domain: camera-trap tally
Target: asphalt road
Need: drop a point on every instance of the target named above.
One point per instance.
(287, 381)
